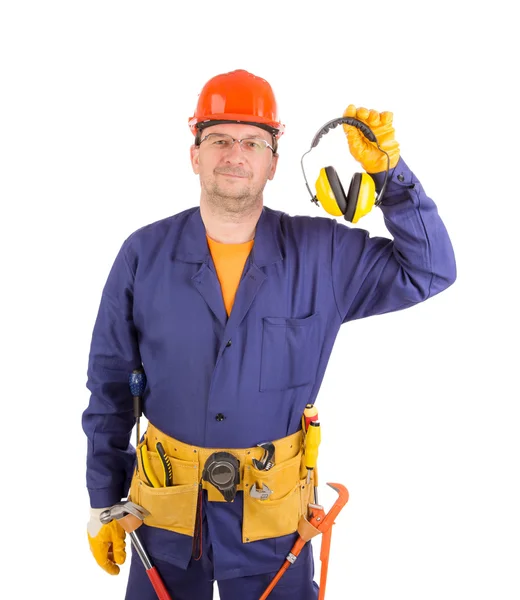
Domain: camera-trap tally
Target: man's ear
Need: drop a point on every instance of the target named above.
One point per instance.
(194, 156)
(272, 169)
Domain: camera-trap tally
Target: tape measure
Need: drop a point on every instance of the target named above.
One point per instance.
(222, 470)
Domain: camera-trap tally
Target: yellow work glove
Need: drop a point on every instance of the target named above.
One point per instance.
(365, 151)
(107, 542)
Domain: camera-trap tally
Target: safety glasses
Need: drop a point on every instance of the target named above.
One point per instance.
(224, 142)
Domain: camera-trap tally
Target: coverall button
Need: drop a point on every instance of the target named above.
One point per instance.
(228, 344)
(400, 177)
(220, 417)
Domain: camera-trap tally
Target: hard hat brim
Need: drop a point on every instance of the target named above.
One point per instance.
(197, 123)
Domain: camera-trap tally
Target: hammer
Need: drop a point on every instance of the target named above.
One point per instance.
(131, 516)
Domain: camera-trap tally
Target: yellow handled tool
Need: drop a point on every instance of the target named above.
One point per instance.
(147, 468)
(309, 414)
(312, 442)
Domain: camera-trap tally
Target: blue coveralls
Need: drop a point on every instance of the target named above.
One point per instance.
(224, 382)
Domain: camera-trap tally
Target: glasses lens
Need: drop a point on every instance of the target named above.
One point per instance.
(219, 140)
(256, 145)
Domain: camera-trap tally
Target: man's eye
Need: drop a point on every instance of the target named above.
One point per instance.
(253, 144)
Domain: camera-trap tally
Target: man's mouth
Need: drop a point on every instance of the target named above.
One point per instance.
(234, 175)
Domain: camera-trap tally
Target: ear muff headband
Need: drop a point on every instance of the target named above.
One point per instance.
(365, 129)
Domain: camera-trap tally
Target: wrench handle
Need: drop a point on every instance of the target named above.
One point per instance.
(293, 555)
(324, 558)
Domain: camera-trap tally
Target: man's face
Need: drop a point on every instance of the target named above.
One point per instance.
(233, 178)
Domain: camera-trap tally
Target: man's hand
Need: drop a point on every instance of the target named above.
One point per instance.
(107, 542)
(366, 152)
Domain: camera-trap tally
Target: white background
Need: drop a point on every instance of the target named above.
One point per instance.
(418, 408)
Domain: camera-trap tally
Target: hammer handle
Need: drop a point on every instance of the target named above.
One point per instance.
(151, 571)
(158, 585)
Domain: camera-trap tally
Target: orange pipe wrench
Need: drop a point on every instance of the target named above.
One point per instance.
(317, 522)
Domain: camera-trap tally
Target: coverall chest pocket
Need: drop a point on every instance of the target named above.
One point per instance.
(290, 351)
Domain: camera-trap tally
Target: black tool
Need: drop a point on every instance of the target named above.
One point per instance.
(166, 465)
(267, 461)
(222, 470)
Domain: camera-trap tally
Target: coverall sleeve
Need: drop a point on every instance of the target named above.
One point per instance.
(378, 275)
(108, 419)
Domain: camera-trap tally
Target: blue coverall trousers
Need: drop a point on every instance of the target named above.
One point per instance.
(196, 582)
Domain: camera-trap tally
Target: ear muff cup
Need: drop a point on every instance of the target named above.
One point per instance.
(358, 202)
(337, 188)
(347, 203)
(352, 197)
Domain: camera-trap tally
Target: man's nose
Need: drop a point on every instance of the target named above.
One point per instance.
(235, 152)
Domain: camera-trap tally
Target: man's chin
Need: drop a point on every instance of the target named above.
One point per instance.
(233, 200)
(240, 199)
(233, 191)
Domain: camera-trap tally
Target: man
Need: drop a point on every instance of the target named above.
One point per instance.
(232, 310)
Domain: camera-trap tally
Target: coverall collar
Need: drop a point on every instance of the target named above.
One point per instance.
(192, 246)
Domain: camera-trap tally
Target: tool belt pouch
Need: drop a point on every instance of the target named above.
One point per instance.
(280, 512)
(174, 507)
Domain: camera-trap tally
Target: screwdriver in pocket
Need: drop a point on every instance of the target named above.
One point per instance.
(309, 414)
(137, 382)
(312, 442)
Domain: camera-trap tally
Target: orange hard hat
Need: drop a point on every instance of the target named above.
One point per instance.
(237, 97)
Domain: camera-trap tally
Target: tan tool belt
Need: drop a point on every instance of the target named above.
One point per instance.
(175, 507)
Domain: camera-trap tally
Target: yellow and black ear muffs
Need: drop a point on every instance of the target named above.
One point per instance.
(361, 195)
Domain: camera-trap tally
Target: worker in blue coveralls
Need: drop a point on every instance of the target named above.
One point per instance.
(231, 310)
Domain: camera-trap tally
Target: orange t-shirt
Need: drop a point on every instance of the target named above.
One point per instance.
(229, 262)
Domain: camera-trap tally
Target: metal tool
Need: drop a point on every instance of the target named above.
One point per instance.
(261, 494)
(137, 382)
(267, 460)
(318, 522)
(130, 517)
